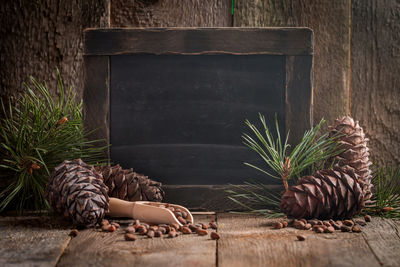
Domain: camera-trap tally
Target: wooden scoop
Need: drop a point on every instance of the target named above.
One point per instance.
(150, 212)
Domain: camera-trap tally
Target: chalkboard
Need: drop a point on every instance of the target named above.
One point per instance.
(180, 117)
(172, 102)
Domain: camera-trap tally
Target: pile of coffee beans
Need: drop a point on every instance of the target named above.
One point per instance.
(162, 230)
(328, 226)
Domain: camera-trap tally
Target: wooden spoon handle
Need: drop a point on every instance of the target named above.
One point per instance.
(120, 208)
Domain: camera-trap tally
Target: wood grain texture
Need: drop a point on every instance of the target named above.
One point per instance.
(96, 99)
(330, 22)
(38, 36)
(383, 237)
(375, 60)
(94, 248)
(31, 241)
(171, 13)
(250, 241)
(299, 78)
(192, 41)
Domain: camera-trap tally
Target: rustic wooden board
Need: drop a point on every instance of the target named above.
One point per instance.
(383, 237)
(375, 68)
(171, 13)
(94, 248)
(31, 241)
(330, 22)
(250, 241)
(192, 41)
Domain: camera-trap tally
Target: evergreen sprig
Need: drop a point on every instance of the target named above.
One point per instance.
(385, 201)
(37, 133)
(310, 154)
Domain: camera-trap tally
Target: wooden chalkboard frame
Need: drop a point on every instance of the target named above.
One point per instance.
(296, 44)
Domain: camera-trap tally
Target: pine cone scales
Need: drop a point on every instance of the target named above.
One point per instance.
(77, 191)
(356, 154)
(129, 185)
(330, 193)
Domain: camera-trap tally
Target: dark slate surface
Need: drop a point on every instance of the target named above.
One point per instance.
(179, 118)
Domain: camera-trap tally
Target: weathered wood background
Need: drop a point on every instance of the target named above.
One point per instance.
(356, 63)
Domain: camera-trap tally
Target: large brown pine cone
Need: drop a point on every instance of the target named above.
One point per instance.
(328, 194)
(129, 185)
(356, 154)
(77, 191)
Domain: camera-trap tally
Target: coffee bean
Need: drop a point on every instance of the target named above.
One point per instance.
(130, 230)
(301, 237)
(312, 222)
(104, 222)
(327, 224)
(150, 234)
(319, 230)
(201, 232)
(360, 222)
(303, 220)
(129, 237)
(153, 228)
(163, 230)
(109, 228)
(178, 214)
(181, 220)
(285, 224)
(214, 235)
(172, 234)
(319, 222)
(167, 229)
(73, 233)
(137, 222)
(367, 218)
(318, 226)
(329, 230)
(345, 228)
(175, 226)
(213, 225)
(186, 230)
(193, 227)
(158, 233)
(184, 214)
(348, 223)
(356, 229)
(336, 226)
(115, 224)
(307, 226)
(142, 230)
(300, 225)
(146, 225)
(278, 225)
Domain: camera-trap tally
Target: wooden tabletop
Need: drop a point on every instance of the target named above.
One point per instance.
(245, 241)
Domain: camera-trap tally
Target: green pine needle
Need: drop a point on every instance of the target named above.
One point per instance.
(37, 133)
(281, 162)
(385, 201)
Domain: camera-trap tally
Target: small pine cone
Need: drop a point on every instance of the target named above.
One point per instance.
(129, 185)
(330, 193)
(77, 191)
(352, 139)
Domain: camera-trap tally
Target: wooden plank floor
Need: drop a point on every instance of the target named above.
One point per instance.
(245, 241)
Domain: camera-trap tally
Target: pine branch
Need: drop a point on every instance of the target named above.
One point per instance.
(385, 201)
(38, 132)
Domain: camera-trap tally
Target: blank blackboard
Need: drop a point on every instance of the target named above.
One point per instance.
(172, 102)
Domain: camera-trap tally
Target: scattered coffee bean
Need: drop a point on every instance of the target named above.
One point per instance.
(181, 220)
(348, 223)
(104, 222)
(345, 228)
(339, 222)
(168, 229)
(307, 226)
(336, 226)
(115, 224)
(214, 235)
(319, 230)
(367, 218)
(73, 233)
(130, 230)
(129, 237)
(150, 234)
(319, 222)
(142, 230)
(329, 230)
(146, 225)
(360, 222)
(172, 234)
(301, 237)
(153, 228)
(213, 225)
(278, 225)
(158, 233)
(285, 224)
(201, 232)
(108, 228)
(303, 220)
(162, 229)
(192, 227)
(356, 229)
(315, 227)
(299, 225)
(186, 230)
(175, 226)
(204, 226)
(327, 224)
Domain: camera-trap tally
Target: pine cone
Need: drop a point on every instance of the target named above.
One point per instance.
(352, 139)
(129, 185)
(330, 193)
(77, 191)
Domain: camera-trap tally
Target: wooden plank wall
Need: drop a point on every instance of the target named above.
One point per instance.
(356, 59)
